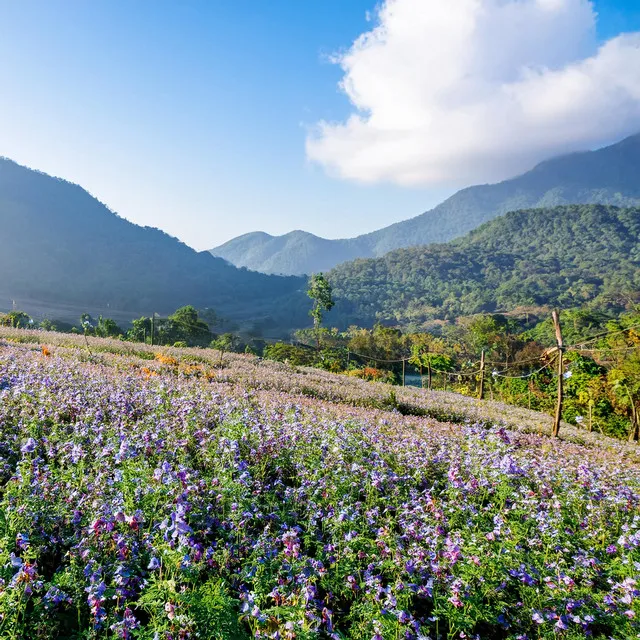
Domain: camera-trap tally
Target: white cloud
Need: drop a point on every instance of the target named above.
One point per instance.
(448, 92)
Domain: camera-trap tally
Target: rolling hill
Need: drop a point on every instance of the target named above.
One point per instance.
(607, 176)
(62, 249)
(566, 256)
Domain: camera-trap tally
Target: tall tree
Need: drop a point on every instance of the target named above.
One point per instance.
(320, 292)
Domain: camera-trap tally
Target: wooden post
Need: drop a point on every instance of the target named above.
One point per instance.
(633, 433)
(152, 327)
(481, 391)
(429, 374)
(556, 323)
(403, 372)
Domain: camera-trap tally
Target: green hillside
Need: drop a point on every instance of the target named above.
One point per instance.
(60, 247)
(566, 256)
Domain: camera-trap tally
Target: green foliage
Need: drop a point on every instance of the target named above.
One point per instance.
(16, 319)
(566, 256)
(601, 384)
(184, 325)
(140, 330)
(107, 328)
(283, 352)
(206, 606)
(48, 325)
(225, 342)
(320, 292)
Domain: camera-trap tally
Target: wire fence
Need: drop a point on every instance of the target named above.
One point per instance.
(577, 347)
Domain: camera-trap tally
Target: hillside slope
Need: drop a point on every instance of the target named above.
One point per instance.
(61, 246)
(607, 176)
(566, 255)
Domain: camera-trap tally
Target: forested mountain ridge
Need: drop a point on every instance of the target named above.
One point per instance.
(60, 245)
(566, 256)
(607, 176)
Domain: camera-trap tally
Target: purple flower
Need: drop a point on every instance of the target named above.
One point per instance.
(16, 562)
(29, 446)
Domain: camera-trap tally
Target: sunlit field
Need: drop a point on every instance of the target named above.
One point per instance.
(158, 494)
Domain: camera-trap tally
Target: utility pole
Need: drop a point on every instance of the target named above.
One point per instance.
(481, 391)
(556, 323)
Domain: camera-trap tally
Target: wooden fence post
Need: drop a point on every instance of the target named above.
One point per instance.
(556, 323)
(481, 391)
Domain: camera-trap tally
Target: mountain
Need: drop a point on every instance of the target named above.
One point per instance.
(61, 249)
(607, 176)
(565, 256)
(262, 252)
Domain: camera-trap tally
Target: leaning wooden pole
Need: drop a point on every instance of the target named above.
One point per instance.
(556, 323)
(481, 390)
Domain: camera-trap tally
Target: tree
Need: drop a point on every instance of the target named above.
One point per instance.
(186, 326)
(107, 328)
(320, 292)
(140, 329)
(622, 347)
(48, 325)
(418, 359)
(225, 342)
(17, 320)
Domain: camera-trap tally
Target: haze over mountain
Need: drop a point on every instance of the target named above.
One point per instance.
(566, 256)
(62, 248)
(606, 176)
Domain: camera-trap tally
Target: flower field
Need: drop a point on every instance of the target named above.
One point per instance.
(154, 495)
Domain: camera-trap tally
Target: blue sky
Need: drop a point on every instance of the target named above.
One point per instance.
(193, 116)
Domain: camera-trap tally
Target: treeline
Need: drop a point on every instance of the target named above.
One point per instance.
(186, 327)
(601, 362)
